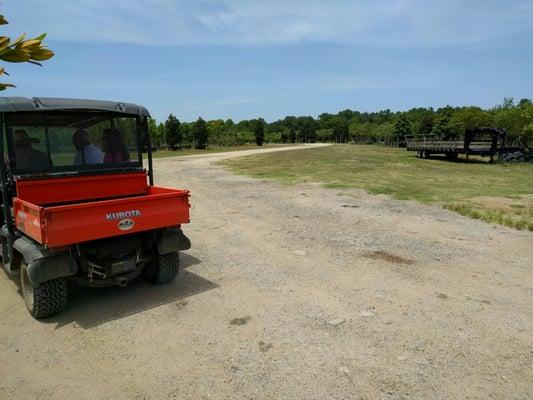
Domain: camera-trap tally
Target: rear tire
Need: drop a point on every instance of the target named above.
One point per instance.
(43, 299)
(165, 269)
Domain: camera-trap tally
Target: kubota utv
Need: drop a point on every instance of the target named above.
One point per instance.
(77, 203)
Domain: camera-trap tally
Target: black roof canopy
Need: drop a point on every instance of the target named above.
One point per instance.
(16, 104)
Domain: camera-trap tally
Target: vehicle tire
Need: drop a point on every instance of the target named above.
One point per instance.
(164, 270)
(43, 299)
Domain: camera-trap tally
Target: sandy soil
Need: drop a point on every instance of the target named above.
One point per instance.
(293, 292)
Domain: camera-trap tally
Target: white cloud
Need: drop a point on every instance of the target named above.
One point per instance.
(385, 23)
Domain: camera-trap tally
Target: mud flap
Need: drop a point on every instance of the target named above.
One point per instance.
(172, 240)
(43, 264)
(10, 265)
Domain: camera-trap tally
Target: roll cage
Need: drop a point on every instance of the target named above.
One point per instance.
(53, 131)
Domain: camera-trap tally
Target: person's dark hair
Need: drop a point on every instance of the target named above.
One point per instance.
(113, 143)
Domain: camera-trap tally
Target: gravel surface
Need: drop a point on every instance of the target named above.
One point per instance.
(293, 292)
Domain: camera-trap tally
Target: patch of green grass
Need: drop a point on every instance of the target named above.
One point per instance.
(399, 174)
(496, 216)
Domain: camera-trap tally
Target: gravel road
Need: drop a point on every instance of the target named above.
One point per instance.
(293, 292)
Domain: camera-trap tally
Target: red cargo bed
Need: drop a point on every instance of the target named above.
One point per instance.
(139, 208)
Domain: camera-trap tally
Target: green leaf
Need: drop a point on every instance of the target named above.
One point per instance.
(41, 37)
(15, 55)
(4, 42)
(18, 40)
(41, 54)
(3, 21)
(4, 86)
(29, 44)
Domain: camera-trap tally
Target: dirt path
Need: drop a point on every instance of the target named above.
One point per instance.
(293, 292)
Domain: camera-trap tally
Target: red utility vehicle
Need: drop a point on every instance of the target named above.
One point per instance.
(77, 203)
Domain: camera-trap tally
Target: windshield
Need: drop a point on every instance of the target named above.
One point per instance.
(72, 141)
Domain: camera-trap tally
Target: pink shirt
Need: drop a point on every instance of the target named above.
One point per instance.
(111, 158)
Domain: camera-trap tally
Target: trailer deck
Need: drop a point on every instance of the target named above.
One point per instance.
(482, 141)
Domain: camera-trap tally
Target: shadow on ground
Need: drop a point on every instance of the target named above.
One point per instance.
(460, 160)
(90, 307)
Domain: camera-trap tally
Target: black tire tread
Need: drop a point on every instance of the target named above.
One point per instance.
(50, 297)
(167, 268)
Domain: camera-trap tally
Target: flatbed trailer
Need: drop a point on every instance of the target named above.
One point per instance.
(483, 142)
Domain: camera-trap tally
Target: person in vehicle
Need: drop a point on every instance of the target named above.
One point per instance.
(87, 153)
(114, 148)
(26, 157)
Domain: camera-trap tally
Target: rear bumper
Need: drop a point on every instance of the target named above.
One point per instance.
(119, 280)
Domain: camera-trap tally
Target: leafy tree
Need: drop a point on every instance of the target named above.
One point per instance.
(385, 133)
(216, 132)
(22, 50)
(527, 136)
(229, 129)
(326, 120)
(341, 130)
(284, 136)
(425, 126)
(199, 133)
(508, 102)
(402, 128)
(161, 135)
(517, 122)
(259, 131)
(173, 132)
(469, 118)
(292, 135)
(442, 126)
(325, 135)
(307, 127)
(153, 132)
(359, 132)
(384, 127)
(186, 133)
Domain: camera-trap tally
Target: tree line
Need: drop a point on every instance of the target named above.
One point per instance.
(349, 126)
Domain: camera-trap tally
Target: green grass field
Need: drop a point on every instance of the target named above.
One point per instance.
(498, 193)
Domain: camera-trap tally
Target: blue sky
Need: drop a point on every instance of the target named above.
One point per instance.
(243, 59)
